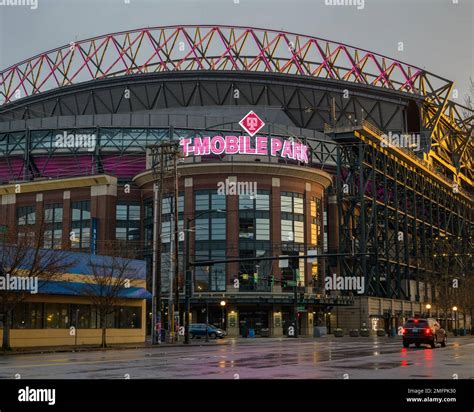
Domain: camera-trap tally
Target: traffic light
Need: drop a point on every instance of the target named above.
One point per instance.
(271, 280)
(284, 283)
(255, 278)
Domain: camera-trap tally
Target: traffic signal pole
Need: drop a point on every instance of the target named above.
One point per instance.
(295, 302)
(187, 289)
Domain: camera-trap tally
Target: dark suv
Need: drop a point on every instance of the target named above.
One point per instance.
(199, 330)
(423, 331)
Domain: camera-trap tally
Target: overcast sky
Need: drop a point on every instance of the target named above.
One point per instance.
(437, 34)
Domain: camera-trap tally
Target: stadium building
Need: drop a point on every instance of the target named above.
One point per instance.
(289, 145)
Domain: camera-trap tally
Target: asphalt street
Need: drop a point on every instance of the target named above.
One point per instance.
(336, 358)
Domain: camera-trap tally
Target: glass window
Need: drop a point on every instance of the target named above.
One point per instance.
(292, 217)
(245, 202)
(298, 205)
(129, 317)
(28, 316)
(286, 204)
(253, 275)
(287, 234)
(80, 213)
(292, 203)
(122, 212)
(299, 231)
(218, 272)
(254, 223)
(202, 202)
(247, 229)
(26, 215)
(166, 232)
(262, 202)
(202, 272)
(56, 315)
(314, 234)
(218, 201)
(210, 278)
(148, 210)
(313, 208)
(166, 205)
(218, 231)
(121, 233)
(85, 237)
(53, 215)
(128, 222)
(263, 229)
(20, 317)
(210, 236)
(81, 316)
(202, 229)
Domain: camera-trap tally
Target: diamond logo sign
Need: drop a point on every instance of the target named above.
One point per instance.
(251, 123)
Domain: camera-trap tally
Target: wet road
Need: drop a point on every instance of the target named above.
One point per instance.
(336, 358)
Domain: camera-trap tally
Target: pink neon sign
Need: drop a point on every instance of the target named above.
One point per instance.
(229, 145)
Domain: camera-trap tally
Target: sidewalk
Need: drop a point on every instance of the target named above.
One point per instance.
(144, 345)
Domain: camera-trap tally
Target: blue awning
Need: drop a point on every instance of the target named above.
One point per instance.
(84, 289)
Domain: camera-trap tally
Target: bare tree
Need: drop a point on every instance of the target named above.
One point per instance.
(466, 298)
(25, 268)
(110, 277)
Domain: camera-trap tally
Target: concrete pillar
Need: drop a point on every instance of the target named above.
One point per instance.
(333, 224)
(307, 237)
(103, 207)
(232, 225)
(276, 325)
(8, 214)
(66, 225)
(233, 322)
(275, 233)
(306, 323)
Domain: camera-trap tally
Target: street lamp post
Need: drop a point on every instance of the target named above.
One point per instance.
(188, 275)
(76, 321)
(223, 314)
(295, 302)
(455, 310)
(207, 320)
(428, 307)
(187, 288)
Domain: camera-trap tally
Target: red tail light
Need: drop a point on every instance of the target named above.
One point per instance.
(428, 331)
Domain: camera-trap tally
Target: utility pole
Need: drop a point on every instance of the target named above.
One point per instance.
(171, 285)
(295, 300)
(156, 322)
(164, 156)
(187, 277)
(176, 233)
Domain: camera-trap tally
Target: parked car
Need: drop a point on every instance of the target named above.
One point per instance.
(423, 331)
(199, 330)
